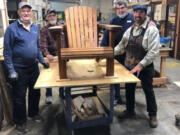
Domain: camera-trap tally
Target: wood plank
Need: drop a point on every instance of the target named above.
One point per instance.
(6, 13)
(98, 105)
(81, 25)
(156, 1)
(78, 52)
(95, 28)
(88, 49)
(78, 102)
(86, 52)
(68, 24)
(1, 58)
(157, 81)
(86, 56)
(110, 27)
(78, 37)
(86, 27)
(73, 27)
(5, 97)
(90, 26)
(177, 39)
(138, 3)
(110, 67)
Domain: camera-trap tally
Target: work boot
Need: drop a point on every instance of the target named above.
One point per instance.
(21, 128)
(127, 115)
(153, 122)
(36, 118)
(118, 101)
(49, 100)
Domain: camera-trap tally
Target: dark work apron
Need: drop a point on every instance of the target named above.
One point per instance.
(134, 49)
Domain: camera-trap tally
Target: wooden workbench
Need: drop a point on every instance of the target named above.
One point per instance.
(85, 73)
(160, 77)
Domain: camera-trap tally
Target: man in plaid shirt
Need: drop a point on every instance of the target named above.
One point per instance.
(48, 45)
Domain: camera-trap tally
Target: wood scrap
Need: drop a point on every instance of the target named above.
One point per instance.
(87, 109)
(99, 107)
(78, 113)
(78, 102)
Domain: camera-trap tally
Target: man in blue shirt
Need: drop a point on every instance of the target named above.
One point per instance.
(21, 57)
(125, 20)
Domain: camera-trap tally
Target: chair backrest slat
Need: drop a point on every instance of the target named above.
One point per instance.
(73, 27)
(81, 25)
(68, 22)
(95, 29)
(81, 22)
(78, 38)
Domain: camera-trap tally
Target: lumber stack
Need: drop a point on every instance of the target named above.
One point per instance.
(87, 108)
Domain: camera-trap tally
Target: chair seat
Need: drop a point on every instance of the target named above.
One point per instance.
(104, 52)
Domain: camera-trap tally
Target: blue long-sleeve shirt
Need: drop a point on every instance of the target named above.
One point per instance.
(125, 23)
(21, 47)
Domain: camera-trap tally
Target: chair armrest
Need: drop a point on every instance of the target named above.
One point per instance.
(109, 27)
(56, 28)
(56, 31)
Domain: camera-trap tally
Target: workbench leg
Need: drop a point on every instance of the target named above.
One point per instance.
(94, 90)
(110, 67)
(112, 94)
(163, 67)
(68, 111)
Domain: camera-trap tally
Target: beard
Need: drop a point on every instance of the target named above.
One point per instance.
(139, 20)
(123, 15)
(53, 22)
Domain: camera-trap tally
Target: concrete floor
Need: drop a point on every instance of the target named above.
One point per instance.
(168, 100)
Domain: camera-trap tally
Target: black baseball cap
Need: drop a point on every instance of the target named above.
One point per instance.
(50, 11)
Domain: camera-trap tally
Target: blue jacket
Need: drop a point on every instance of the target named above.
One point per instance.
(125, 23)
(21, 47)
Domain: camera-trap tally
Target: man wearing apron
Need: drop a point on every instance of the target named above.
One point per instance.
(141, 44)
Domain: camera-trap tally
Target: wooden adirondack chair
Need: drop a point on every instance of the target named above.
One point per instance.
(81, 36)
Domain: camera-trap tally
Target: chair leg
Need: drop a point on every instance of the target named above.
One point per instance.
(62, 69)
(110, 67)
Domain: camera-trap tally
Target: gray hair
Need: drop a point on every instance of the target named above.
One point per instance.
(120, 2)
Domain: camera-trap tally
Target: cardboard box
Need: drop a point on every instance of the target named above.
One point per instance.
(160, 12)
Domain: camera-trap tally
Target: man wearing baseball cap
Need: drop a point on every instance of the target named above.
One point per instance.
(141, 44)
(21, 57)
(48, 46)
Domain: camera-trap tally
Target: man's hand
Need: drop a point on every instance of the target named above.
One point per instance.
(13, 76)
(46, 65)
(137, 69)
(50, 57)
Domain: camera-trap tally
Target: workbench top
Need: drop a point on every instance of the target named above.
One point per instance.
(83, 73)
